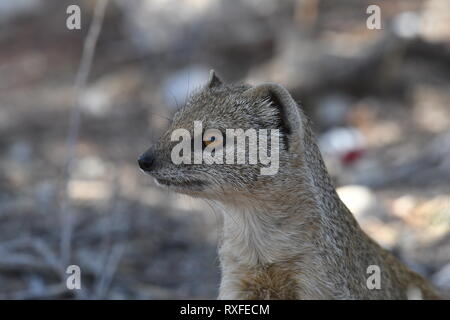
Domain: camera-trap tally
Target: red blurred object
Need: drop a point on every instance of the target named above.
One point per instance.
(351, 156)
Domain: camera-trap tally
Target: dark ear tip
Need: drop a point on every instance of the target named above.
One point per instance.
(213, 80)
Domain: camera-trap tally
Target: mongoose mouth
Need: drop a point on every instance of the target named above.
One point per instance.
(183, 184)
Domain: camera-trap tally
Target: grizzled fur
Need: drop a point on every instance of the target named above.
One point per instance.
(286, 236)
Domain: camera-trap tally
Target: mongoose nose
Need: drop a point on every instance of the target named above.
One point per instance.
(146, 161)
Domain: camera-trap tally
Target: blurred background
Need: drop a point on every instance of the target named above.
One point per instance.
(379, 99)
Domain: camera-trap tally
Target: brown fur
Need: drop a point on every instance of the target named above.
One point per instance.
(270, 282)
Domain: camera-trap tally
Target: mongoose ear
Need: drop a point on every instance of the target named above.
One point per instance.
(214, 80)
(289, 111)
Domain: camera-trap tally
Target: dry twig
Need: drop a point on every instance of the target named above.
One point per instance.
(74, 126)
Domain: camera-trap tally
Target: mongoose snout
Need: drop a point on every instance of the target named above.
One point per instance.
(147, 160)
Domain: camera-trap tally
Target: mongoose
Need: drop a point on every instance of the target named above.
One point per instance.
(286, 235)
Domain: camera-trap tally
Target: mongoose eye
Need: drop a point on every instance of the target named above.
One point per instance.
(213, 139)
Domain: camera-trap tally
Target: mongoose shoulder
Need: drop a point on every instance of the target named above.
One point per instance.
(285, 235)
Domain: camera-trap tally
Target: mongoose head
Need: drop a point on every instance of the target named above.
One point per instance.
(219, 107)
